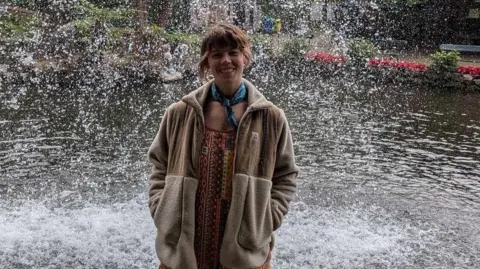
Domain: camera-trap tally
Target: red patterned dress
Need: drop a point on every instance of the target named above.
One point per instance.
(213, 199)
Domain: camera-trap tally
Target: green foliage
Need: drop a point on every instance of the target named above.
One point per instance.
(116, 16)
(87, 14)
(46, 5)
(84, 28)
(262, 43)
(157, 30)
(295, 46)
(176, 38)
(12, 24)
(444, 62)
(115, 33)
(360, 50)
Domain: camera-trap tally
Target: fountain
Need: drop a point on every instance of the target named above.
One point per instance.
(390, 174)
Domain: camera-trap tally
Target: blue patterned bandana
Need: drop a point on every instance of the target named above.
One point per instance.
(240, 95)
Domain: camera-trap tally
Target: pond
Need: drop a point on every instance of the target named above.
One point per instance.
(390, 176)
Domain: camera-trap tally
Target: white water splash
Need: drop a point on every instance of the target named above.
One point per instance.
(122, 236)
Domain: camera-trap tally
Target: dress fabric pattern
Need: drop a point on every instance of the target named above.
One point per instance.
(214, 195)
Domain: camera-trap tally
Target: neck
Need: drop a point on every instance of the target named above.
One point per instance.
(228, 90)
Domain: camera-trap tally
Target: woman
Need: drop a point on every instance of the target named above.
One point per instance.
(223, 166)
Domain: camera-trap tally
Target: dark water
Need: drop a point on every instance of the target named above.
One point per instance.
(390, 175)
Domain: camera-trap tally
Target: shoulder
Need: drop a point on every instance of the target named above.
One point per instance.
(276, 115)
(175, 110)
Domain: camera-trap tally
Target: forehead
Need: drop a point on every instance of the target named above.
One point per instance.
(224, 49)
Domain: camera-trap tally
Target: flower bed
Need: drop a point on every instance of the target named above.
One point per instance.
(466, 78)
(326, 57)
(415, 67)
(383, 62)
(469, 70)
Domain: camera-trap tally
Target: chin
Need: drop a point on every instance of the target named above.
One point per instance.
(224, 79)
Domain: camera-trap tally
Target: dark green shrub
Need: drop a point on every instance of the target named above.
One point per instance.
(262, 43)
(360, 50)
(87, 14)
(294, 47)
(444, 62)
(12, 24)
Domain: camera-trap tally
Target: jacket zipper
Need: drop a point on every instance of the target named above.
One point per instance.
(249, 110)
(199, 146)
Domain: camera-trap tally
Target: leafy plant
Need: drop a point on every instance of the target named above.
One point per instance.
(360, 50)
(117, 16)
(444, 62)
(157, 30)
(296, 46)
(117, 32)
(262, 43)
(176, 38)
(13, 24)
(87, 14)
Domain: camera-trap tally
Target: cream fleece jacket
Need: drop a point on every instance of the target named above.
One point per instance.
(264, 181)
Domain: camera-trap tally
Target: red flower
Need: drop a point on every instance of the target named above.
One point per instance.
(469, 70)
(325, 57)
(384, 62)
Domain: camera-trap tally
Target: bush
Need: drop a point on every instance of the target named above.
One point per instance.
(360, 51)
(12, 24)
(444, 62)
(86, 15)
(176, 38)
(262, 43)
(295, 46)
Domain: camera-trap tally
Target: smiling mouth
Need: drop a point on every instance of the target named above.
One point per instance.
(226, 71)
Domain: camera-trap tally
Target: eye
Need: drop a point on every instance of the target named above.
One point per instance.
(234, 53)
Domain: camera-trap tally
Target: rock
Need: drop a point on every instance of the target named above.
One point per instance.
(468, 77)
(181, 50)
(477, 81)
(167, 56)
(166, 47)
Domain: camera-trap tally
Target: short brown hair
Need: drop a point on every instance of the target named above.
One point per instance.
(220, 36)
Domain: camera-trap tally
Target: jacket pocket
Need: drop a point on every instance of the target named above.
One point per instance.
(256, 227)
(171, 211)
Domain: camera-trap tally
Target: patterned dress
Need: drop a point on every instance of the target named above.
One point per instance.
(213, 199)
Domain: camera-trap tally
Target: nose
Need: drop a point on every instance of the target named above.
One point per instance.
(225, 59)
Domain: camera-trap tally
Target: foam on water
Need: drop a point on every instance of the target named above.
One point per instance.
(95, 236)
(121, 235)
(345, 238)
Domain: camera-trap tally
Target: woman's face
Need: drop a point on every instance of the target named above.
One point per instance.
(227, 66)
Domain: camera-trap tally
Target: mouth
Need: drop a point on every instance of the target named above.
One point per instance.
(226, 71)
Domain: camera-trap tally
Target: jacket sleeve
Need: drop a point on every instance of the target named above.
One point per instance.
(158, 157)
(284, 180)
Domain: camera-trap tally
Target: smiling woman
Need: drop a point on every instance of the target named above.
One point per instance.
(226, 48)
(227, 66)
(223, 172)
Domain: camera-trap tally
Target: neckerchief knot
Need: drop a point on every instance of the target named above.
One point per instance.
(239, 96)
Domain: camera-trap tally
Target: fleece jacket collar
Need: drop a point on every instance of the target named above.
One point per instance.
(198, 97)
